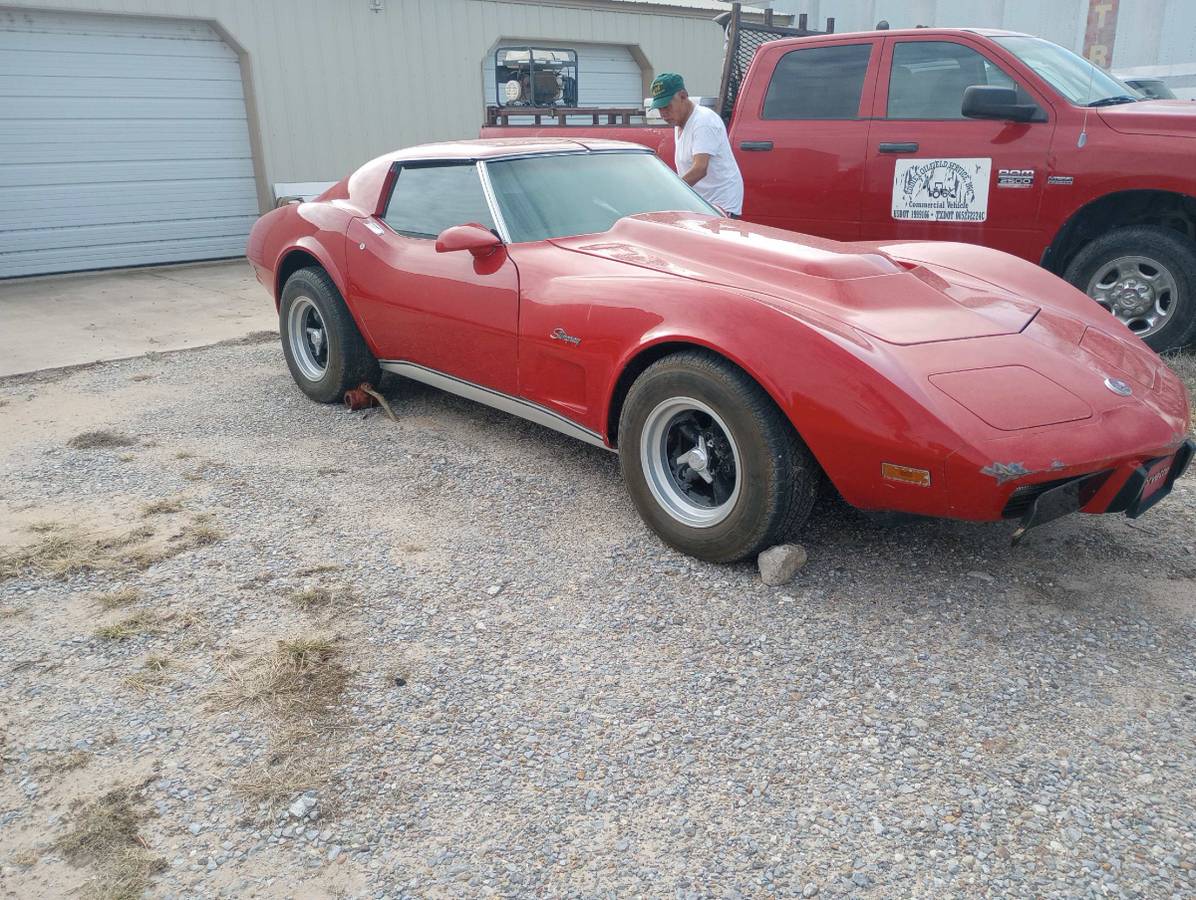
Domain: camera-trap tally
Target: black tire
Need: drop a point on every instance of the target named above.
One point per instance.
(1169, 251)
(778, 477)
(348, 361)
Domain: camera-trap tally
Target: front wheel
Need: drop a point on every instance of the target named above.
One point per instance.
(1145, 275)
(323, 348)
(710, 463)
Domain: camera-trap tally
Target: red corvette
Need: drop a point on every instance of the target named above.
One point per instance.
(583, 286)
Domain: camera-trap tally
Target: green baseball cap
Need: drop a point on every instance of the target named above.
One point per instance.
(664, 87)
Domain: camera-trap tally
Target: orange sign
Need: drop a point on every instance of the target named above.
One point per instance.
(1101, 31)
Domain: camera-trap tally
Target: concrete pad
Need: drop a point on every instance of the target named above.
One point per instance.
(68, 320)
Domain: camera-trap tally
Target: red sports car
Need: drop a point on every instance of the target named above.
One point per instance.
(583, 286)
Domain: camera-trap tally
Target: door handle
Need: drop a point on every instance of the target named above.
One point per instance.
(907, 147)
(755, 145)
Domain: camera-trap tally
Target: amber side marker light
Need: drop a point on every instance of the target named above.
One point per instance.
(905, 474)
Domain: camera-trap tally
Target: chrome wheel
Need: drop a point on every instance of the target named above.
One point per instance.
(308, 338)
(1141, 292)
(690, 461)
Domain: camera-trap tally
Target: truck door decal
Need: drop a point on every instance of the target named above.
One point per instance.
(941, 190)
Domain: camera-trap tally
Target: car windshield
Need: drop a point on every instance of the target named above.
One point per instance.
(1072, 76)
(566, 194)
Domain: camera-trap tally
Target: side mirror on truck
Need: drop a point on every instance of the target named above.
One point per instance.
(982, 101)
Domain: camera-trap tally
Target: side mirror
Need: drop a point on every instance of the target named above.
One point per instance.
(477, 240)
(982, 101)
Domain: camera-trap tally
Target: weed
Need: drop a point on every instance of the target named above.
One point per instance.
(104, 834)
(101, 440)
(143, 622)
(321, 569)
(141, 377)
(118, 599)
(197, 534)
(298, 682)
(65, 762)
(11, 612)
(63, 553)
(153, 673)
(321, 597)
(44, 527)
(184, 454)
(162, 507)
(25, 858)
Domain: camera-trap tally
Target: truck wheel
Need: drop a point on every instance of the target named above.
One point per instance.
(1145, 275)
(711, 464)
(323, 348)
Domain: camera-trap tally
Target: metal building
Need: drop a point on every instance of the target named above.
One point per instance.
(150, 131)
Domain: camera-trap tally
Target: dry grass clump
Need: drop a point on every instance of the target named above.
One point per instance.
(11, 612)
(118, 599)
(198, 534)
(161, 507)
(65, 761)
(280, 779)
(101, 440)
(104, 834)
(64, 552)
(319, 569)
(143, 622)
(322, 597)
(300, 680)
(153, 674)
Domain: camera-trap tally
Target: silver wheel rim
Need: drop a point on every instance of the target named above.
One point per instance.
(308, 338)
(691, 462)
(1138, 290)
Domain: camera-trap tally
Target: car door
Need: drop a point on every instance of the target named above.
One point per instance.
(936, 175)
(449, 312)
(800, 136)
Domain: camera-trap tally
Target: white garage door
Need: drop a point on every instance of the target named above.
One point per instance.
(122, 142)
(607, 74)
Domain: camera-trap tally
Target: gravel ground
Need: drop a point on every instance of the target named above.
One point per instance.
(510, 688)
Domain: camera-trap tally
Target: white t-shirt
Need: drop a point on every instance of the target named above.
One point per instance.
(704, 132)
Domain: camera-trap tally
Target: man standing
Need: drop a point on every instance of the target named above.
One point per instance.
(703, 154)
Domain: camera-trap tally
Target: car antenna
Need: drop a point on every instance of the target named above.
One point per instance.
(1087, 106)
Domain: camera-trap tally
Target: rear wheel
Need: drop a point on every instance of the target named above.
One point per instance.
(323, 348)
(711, 464)
(1144, 275)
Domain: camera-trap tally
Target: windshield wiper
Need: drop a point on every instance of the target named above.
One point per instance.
(1111, 101)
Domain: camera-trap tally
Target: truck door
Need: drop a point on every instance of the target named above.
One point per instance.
(933, 174)
(800, 136)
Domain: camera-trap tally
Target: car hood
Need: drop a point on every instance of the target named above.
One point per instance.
(1176, 118)
(900, 303)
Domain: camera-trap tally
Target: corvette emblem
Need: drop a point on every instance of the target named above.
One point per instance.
(1119, 387)
(559, 334)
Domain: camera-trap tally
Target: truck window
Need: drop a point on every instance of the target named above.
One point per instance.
(430, 198)
(818, 83)
(928, 79)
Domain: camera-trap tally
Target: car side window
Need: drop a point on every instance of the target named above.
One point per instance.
(427, 199)
(928, 79)
(818, 83)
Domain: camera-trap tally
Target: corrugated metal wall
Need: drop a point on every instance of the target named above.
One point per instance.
(335, 83)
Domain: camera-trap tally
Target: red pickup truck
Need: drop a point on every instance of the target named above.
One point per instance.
(982, 136)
